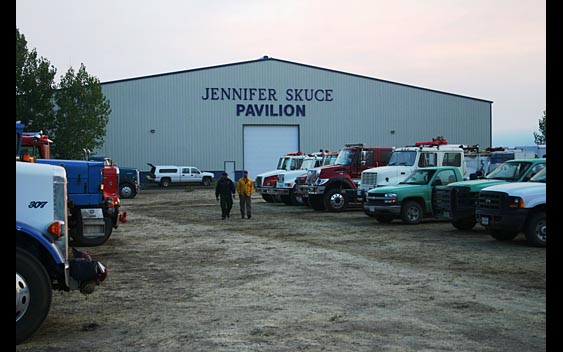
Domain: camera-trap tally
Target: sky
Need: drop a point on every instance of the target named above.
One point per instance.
(487, 49)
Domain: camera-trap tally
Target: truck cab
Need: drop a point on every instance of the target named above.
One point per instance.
(334, 187)
(265, 182)
(411, 200)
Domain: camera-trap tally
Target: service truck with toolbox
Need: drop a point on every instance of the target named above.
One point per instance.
(457, 201)
(92, 190)
(411, 200)
(333, 187)
(405, 160)
(43, 263)
(507, 209)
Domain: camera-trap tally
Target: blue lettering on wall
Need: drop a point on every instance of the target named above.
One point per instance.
(250, 94)
(272, 110)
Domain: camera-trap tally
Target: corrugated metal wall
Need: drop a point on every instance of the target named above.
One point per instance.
(188, 130)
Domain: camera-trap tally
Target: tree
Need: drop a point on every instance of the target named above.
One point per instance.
(34, 85)
(541, 137)
(81, 114)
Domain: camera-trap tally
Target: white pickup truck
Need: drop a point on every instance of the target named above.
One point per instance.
(507, 209)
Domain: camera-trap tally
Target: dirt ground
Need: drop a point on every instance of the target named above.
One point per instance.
(294, 279)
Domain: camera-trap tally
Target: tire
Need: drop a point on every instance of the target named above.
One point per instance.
(33, 295)
(411, 212)
(165, 182)
(335, 200)
(127, 191)
(79, 239)
(293, 199)
(316, 202)
(535, 230)
(384, 219)
(501, 235)
(464, 224)
(267, 198)
(206, 181)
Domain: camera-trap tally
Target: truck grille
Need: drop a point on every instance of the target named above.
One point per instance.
(491, 200)
(369, 180)
(311, 177)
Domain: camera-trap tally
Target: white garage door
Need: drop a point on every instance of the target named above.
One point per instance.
(263, 146)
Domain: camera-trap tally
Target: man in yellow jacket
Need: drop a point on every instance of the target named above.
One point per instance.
(245, 187)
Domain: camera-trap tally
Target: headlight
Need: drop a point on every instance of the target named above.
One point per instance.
(390, 195)
(515, 202)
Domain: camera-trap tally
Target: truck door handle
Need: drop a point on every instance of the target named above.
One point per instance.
(402, 173)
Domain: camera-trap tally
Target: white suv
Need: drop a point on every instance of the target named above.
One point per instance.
(165, 175)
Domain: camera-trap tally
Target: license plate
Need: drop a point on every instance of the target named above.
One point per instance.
(484, 220)
(446, 214)
(372, 209)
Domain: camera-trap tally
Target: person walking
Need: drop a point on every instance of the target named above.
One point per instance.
(245, 187)
(225, 189)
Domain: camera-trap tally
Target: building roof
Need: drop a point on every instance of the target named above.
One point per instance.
(267, 58)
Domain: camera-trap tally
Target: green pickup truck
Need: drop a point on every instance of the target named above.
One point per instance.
(458, 201)
(412, 199)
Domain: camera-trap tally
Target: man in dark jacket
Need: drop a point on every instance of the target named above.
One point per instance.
(225, 189)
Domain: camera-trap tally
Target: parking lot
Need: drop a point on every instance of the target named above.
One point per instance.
(295, 279)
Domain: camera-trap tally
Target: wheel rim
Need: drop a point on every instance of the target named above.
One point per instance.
(22, 296)
(126, 191)
(413, 214)
(541, 231)
(337, 200)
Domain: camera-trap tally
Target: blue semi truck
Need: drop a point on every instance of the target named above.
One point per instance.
(94, 205)
(43, 261)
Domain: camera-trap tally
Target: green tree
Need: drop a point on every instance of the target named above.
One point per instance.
(34, 86)
(541, 137)
(81, 114)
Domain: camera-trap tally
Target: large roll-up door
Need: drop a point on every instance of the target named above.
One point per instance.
(263, 146)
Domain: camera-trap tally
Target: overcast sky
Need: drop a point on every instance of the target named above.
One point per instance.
(488, 49)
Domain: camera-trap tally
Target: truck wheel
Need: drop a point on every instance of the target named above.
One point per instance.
(33, 295)
(127, 191)
(206, 181)
(316, 202)
(536, 230)
(335, 200)
(267, 198)
(464, 224)
(79, 239)
(411, 212)
(165, 182)
(384, 219)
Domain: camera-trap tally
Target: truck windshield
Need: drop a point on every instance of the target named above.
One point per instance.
(540, 176)
(308, 164)
(345, 157)
(509, 171)
(406, 158)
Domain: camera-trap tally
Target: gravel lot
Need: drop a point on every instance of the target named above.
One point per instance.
(294, 279)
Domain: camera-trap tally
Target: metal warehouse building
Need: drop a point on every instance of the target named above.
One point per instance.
(245, 115)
